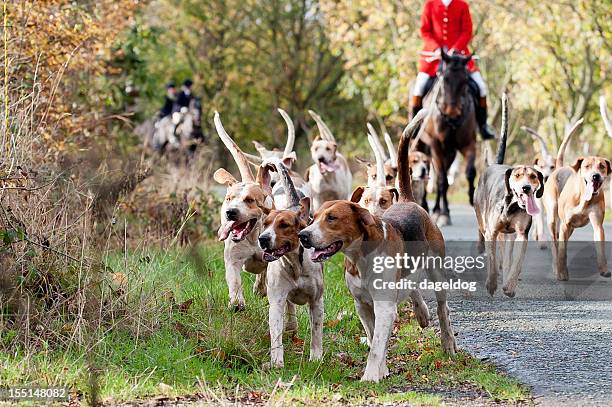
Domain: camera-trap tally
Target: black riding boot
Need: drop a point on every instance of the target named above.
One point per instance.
(417, 105)
(486, 131)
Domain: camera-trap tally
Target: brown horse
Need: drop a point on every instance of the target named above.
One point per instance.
(450, 126)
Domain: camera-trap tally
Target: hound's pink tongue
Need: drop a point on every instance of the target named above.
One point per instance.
(225, 230)
(531, 207)
(588, 191)
(327, 167)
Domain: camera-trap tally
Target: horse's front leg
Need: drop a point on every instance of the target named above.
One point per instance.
(470, 169)
(444, 217)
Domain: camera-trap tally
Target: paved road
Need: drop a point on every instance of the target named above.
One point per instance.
(555, 337)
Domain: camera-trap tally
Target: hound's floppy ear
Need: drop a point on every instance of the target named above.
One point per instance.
(357, 193)
(263, 177)
(507, 181)
(304, 212)
(222, 176)
(577, 164)
(365, 217)
(609, 166)
(395, 193)
(540, 190)
(289, 159)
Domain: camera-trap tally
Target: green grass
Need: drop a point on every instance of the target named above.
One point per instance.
(209, 349)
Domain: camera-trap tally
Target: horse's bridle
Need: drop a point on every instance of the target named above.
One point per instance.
(453, 122)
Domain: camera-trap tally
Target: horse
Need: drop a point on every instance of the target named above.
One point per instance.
(449, 125)
(180, 131)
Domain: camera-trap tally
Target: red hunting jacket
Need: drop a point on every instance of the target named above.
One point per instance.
(445, 27)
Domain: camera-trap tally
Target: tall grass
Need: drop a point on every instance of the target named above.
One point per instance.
(70, 212)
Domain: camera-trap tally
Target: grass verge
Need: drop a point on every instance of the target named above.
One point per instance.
(182, 339)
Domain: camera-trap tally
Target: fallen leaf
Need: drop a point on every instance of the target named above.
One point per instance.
(184, 306)
(332, 323)
(120, 279)
(346, 359)
(297, 341)
(254, 396)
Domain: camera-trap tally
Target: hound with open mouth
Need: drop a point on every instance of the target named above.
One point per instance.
(329, 177)
(505, 202)
(246, 203)
(546, 164)
(292, 277)
(344, 226)
(573, 198)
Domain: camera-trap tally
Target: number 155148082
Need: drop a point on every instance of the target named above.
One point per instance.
(33, 393)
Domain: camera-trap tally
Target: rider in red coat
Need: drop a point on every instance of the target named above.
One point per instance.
(448, 24)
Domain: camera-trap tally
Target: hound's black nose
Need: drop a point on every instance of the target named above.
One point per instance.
(526, 188)
(321, 159)
(231, 214)
(264, 241)
(596, 177)
(305, 239)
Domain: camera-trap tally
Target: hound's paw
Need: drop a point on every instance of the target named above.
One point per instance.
(509, 292)
(562, 276)
(375, 375)
(315, 355)
(491, 287)
(277, 363)
(605, 274)
(385, 372)
(422, 315)
(449, 346)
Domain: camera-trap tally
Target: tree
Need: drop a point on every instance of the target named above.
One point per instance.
(247, 58)
(551, 57)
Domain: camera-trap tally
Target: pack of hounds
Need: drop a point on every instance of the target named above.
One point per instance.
(283, 227)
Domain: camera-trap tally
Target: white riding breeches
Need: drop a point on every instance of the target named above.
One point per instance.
(422, 78)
